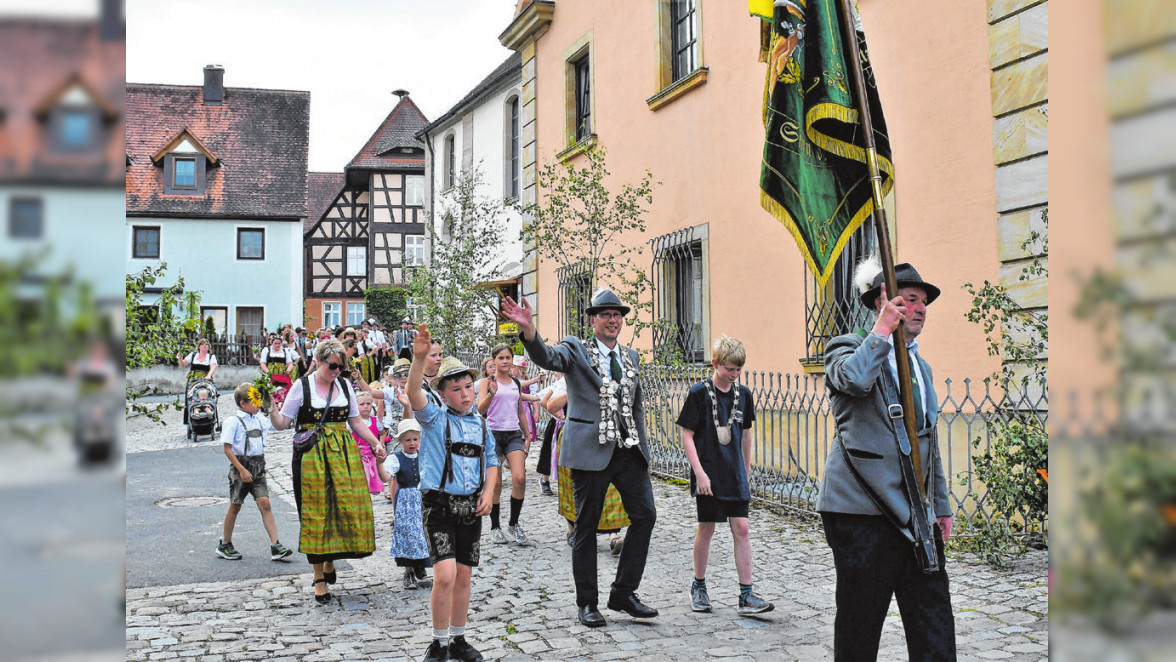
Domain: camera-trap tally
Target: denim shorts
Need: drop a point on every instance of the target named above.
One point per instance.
(507, 441)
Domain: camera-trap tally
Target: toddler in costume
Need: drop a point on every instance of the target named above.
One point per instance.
(403, 474)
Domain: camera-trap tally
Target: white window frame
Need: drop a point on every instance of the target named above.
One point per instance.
(349, 258)
(414, 250)
(338, 313)
(358, 320)
(414, 190)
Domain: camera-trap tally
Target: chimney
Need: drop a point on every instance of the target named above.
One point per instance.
(112, 20)
(214, 85)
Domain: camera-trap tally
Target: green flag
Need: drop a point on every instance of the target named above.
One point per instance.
(814, 177)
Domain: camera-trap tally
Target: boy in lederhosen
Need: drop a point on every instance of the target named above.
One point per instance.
(244, 441)
(457, 460)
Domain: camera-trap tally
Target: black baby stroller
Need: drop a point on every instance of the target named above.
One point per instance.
(200, 406)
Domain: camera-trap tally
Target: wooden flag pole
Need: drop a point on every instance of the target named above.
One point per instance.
(884, 249)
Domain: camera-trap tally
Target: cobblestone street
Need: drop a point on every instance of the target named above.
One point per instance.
(523, 606)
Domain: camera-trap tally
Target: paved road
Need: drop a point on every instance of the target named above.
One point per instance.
(176, 503)
(62, 546)
(522, 604)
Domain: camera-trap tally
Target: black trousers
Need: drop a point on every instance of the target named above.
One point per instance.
(629, 472)
(874, 561)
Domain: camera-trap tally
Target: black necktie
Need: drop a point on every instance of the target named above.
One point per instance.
(615, 367)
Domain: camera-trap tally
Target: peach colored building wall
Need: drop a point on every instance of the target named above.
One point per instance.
(931, 60)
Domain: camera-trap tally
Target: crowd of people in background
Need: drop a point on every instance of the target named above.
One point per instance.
(390, 417)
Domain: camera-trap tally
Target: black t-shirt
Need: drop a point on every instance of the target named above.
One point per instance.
(723, 464)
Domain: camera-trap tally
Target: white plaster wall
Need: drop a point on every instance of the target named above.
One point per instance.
(80, 233)
(204, 252)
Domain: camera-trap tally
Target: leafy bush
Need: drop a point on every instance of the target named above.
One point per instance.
(387, 305)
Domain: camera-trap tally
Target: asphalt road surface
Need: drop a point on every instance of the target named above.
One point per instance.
(61, 539)
(176, 503)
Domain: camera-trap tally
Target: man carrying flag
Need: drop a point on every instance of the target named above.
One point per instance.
(826, 169)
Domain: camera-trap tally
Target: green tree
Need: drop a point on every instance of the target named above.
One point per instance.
(580, 223)
(449, 291)
(157, 332)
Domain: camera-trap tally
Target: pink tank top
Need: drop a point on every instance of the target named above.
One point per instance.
(503, 415)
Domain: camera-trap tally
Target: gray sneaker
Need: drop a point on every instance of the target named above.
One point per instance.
(278, 551)
(516, 532)
(753, 604)
(225, 550)
(699, 600)
(497, 537)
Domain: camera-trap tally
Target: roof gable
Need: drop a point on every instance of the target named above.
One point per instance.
(43, 64)
(259, 137)
(185, 143)
(383, 150)
(323, 188)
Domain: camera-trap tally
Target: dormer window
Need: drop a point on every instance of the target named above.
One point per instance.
(76, 128)
(185, 162)
(74, 117)
(184, 172)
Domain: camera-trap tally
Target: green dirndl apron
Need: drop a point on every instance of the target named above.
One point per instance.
(331, 492)
(612, 517)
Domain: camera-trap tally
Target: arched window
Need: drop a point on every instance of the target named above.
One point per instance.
(512, 160)
(450, 161)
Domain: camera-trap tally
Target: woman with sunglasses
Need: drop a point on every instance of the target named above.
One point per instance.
(330, 486)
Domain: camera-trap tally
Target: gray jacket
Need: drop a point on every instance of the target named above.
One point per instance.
(853, 365)
(581, 447)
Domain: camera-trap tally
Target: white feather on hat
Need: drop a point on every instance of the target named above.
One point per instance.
(866, 273)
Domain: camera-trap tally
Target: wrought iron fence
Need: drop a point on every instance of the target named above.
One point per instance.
(794, 431)
(229, 349)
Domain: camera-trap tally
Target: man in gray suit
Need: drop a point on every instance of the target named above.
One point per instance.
(603, 442)
(862, 501)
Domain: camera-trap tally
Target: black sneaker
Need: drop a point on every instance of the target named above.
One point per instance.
(460, 649)
(225, 550)
(436, 652)
(278, 551)
(545, 488)
(410, 581)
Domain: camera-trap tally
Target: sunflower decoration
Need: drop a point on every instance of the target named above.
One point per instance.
(355, 363)
(260, 394)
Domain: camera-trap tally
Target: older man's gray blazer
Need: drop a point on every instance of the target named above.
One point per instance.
(581, 447)
(853, 366)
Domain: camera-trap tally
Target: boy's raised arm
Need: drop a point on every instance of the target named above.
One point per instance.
(420, 353)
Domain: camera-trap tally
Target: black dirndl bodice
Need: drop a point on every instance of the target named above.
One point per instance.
(308, 416)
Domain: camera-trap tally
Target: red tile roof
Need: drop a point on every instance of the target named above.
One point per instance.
(39, 60)
(259, 136)
(398, 130)
(323, 187)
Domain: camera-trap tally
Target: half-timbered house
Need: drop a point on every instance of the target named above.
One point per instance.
(370, 226)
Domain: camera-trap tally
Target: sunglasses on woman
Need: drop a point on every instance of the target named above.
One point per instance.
(334, 366)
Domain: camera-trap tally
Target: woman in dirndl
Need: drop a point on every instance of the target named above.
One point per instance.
(330, 485)
(613, 517)
(369, 368)
(278, 364)
(201, 364)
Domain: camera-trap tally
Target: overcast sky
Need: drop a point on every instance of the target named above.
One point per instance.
(350, 55)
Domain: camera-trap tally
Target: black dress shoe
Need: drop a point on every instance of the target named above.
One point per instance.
(436, 652)
(631, 606)
(591, 617)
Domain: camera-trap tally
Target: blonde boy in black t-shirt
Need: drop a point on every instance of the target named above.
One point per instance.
(716, 422)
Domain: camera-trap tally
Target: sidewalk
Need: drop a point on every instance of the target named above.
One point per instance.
(523, 605)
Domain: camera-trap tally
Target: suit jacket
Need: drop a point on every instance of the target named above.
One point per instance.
(581, 447)
(853, 366)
